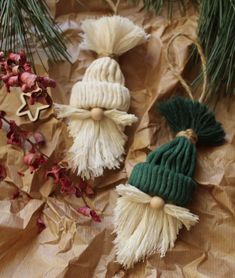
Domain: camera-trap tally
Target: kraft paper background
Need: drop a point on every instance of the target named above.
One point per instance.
(72, 245)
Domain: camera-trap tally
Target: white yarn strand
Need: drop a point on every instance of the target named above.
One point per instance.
(142, 230)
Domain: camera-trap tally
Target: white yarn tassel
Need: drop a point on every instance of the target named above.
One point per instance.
(142, 230)
(97, 144)
(112, 35)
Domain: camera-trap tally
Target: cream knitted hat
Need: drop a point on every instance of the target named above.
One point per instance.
(102, 86)
(97, 114)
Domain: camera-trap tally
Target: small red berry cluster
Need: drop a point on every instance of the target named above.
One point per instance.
(15, 71)
(34, 159)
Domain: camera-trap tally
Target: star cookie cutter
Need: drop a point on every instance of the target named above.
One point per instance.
(21, 112)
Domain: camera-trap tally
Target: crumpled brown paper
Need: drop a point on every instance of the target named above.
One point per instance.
(72, 245)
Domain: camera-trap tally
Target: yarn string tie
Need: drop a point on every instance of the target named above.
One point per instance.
(110, 55)
(189, 134)
(176, 71)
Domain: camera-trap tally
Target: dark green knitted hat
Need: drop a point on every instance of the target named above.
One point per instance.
(161, 175)
(168, 170)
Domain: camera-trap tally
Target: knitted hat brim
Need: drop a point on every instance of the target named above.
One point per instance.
(157, 180)
(105, 95)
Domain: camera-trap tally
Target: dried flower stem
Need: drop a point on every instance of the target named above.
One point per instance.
(26, 139)
(83, 198)
(60, 174)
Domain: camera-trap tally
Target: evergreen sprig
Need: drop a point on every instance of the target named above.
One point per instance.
(26, 24)
(216, 32)
(157, 5)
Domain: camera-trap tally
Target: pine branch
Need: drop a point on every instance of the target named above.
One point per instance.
(26, 24)
(157, 5)
(216, 31)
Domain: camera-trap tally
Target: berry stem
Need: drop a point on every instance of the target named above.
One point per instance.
(27, 139)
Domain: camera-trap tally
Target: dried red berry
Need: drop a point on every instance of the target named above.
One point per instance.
(22, 56)
(14, 135)
(86, 188)
(4, 78)
(29, 79)
(14, 139)
(56, 173)
(82, 184)
(84, 211)
(13, 81)
(34, 161)
(31, 158)
(27, 67)
(67, 186)
(78, 192)
(14, 57)
(95, 216)
(47, 82)
(17, 72)
(5, 66)
(39, 138)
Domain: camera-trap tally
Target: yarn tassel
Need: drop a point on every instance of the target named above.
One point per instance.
(150, 211)
(112, 35)
(97, 113)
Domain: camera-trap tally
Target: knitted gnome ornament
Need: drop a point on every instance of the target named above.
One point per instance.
(97, 113)
(150, 211)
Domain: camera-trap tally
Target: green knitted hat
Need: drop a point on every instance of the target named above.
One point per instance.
(168, 170)
(160, 176)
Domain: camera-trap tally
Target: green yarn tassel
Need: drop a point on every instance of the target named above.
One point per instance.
(168, 171)
(182, 114)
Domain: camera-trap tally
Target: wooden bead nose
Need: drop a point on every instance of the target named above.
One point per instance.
(97, 114)
(157, 202)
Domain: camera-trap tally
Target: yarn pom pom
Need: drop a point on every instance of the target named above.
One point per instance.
(183, 114)
(112, 35)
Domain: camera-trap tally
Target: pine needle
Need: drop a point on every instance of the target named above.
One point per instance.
(216, 31)
(28, 25)
(157, 5)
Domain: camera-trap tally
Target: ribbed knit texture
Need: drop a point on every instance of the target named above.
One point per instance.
(102, 86)
(104, 69)
(168, 170)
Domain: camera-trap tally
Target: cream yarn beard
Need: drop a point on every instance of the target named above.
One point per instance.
(142, 230)
(97, 112)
